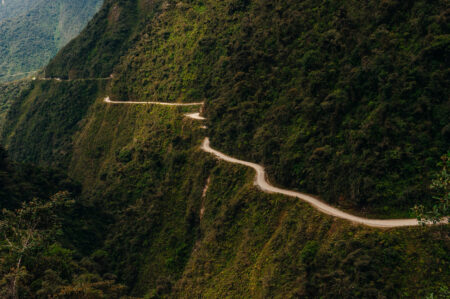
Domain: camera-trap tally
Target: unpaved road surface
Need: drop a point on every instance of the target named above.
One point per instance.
(108, 100)
(195, 116)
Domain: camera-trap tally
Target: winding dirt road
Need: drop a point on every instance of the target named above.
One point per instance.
(70, 80)
(261, 182)
(108, 100)
(264, 185)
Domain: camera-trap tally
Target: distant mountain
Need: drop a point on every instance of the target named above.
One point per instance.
(13, 8)
(32, 31)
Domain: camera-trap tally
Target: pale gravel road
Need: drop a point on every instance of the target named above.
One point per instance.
(195, 116)
(70, 80)
(108, 100)
(264, 185)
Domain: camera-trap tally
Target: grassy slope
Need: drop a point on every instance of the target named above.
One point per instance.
(142, 166)
(264, 246)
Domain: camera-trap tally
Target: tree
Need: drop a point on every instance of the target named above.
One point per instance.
(441, 186)
(23, 231)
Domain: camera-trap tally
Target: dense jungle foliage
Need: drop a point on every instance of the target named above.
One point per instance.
(320, 91)
(20, 183)
(42, 240)
(31, 33)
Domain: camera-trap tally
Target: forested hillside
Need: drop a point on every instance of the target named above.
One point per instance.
(8, 93)
(45, 230)
(21, 183)
(347, 100)
(32, 32)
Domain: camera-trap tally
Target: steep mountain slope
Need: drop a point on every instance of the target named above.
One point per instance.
(99, 48)
(171, 237)
(345, 100)
(21, 183)
(44, 231)
(34, 32)
(357, 114)
(8, 93)
(47, 115)
(176, 223)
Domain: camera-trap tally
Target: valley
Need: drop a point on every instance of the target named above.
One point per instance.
(172, 148)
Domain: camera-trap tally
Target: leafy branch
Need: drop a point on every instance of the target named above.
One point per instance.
(441, 187)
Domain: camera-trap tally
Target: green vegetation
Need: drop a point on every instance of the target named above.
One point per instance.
(47, 116)
(265, 246)
(345, 99)
(33, 262)
(441, 187)
(32, 33)
(44, 242)
(98, 49)
(8, 93)
(20, 183)
(142, 164)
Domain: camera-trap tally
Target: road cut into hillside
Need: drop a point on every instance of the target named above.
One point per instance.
(264, 185)
(109, 101)
(262, 182)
